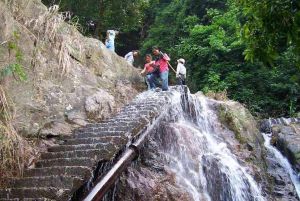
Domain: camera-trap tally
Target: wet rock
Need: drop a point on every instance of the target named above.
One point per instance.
(287, 139)
(279, 180)
(142, 183)
(218, 184)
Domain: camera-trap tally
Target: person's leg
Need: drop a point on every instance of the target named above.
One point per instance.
(156, 79)
(152, 78)
(147, 78)
(183, 80)
(164, 77)
(179, 81)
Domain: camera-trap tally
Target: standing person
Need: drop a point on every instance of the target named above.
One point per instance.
(181, 72)
(130, 56)
(149, 69)
(110, 39)
(162, 62)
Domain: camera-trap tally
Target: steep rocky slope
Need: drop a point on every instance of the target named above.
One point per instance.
(54, 79)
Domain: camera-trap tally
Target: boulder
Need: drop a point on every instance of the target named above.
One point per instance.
(287, 139)
(100, 105)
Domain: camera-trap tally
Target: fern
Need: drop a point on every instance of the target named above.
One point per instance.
(14, 68)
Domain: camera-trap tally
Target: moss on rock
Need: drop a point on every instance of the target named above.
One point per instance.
(240, 121)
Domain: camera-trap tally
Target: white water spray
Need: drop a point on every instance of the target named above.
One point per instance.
(202, 163)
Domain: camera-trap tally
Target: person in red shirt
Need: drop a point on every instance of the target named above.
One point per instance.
(149, 69)
(162, 62)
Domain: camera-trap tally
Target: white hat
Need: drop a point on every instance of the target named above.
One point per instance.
(181, 60)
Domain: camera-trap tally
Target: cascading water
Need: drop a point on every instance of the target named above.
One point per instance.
(283, 162)
(201, 161)
(187, 156)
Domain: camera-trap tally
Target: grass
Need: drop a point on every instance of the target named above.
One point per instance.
(51, 29)
(13, 149)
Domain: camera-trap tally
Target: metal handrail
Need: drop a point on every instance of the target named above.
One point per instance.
(99, 191)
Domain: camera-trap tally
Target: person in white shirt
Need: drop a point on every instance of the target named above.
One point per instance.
(110, 39)
(181, 72)
(131, 55)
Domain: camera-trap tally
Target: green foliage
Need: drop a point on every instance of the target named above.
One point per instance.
(212, 44)
(126, 16)
(15, 67)
(214, 83)
(270, 27)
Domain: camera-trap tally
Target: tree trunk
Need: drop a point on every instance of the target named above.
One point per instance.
(99, 23)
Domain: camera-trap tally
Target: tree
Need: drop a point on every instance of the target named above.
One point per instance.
(270, 27)
(126, 16)
(214, 52)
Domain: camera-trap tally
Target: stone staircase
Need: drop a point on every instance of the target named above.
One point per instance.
(66, 167)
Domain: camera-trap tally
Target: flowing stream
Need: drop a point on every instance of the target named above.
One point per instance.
(283, 161)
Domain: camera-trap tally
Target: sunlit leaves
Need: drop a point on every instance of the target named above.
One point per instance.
(271, 26)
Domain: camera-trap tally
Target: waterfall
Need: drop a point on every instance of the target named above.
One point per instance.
(186, 158)
(201, 161)
(284, 163)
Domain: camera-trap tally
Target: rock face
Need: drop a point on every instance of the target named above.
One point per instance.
(70, 78)
(250, 150)
(287, 139)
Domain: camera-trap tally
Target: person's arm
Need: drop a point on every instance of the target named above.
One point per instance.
(165, 56)
(143, 72)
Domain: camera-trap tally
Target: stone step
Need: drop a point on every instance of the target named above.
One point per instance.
(107, 129)
(112, 123)
(96, 154)
(59, 182)
(81, 171)
(35, 193)
(27, 199)
(98, 134)
(95, 140)
(66, 162)
(63, 148)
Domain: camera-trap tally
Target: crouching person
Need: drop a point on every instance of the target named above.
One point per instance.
(149, 72)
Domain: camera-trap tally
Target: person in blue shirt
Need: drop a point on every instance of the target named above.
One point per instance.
(110, 39)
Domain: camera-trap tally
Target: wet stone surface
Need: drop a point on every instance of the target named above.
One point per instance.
(285, 137)
(66, 167)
